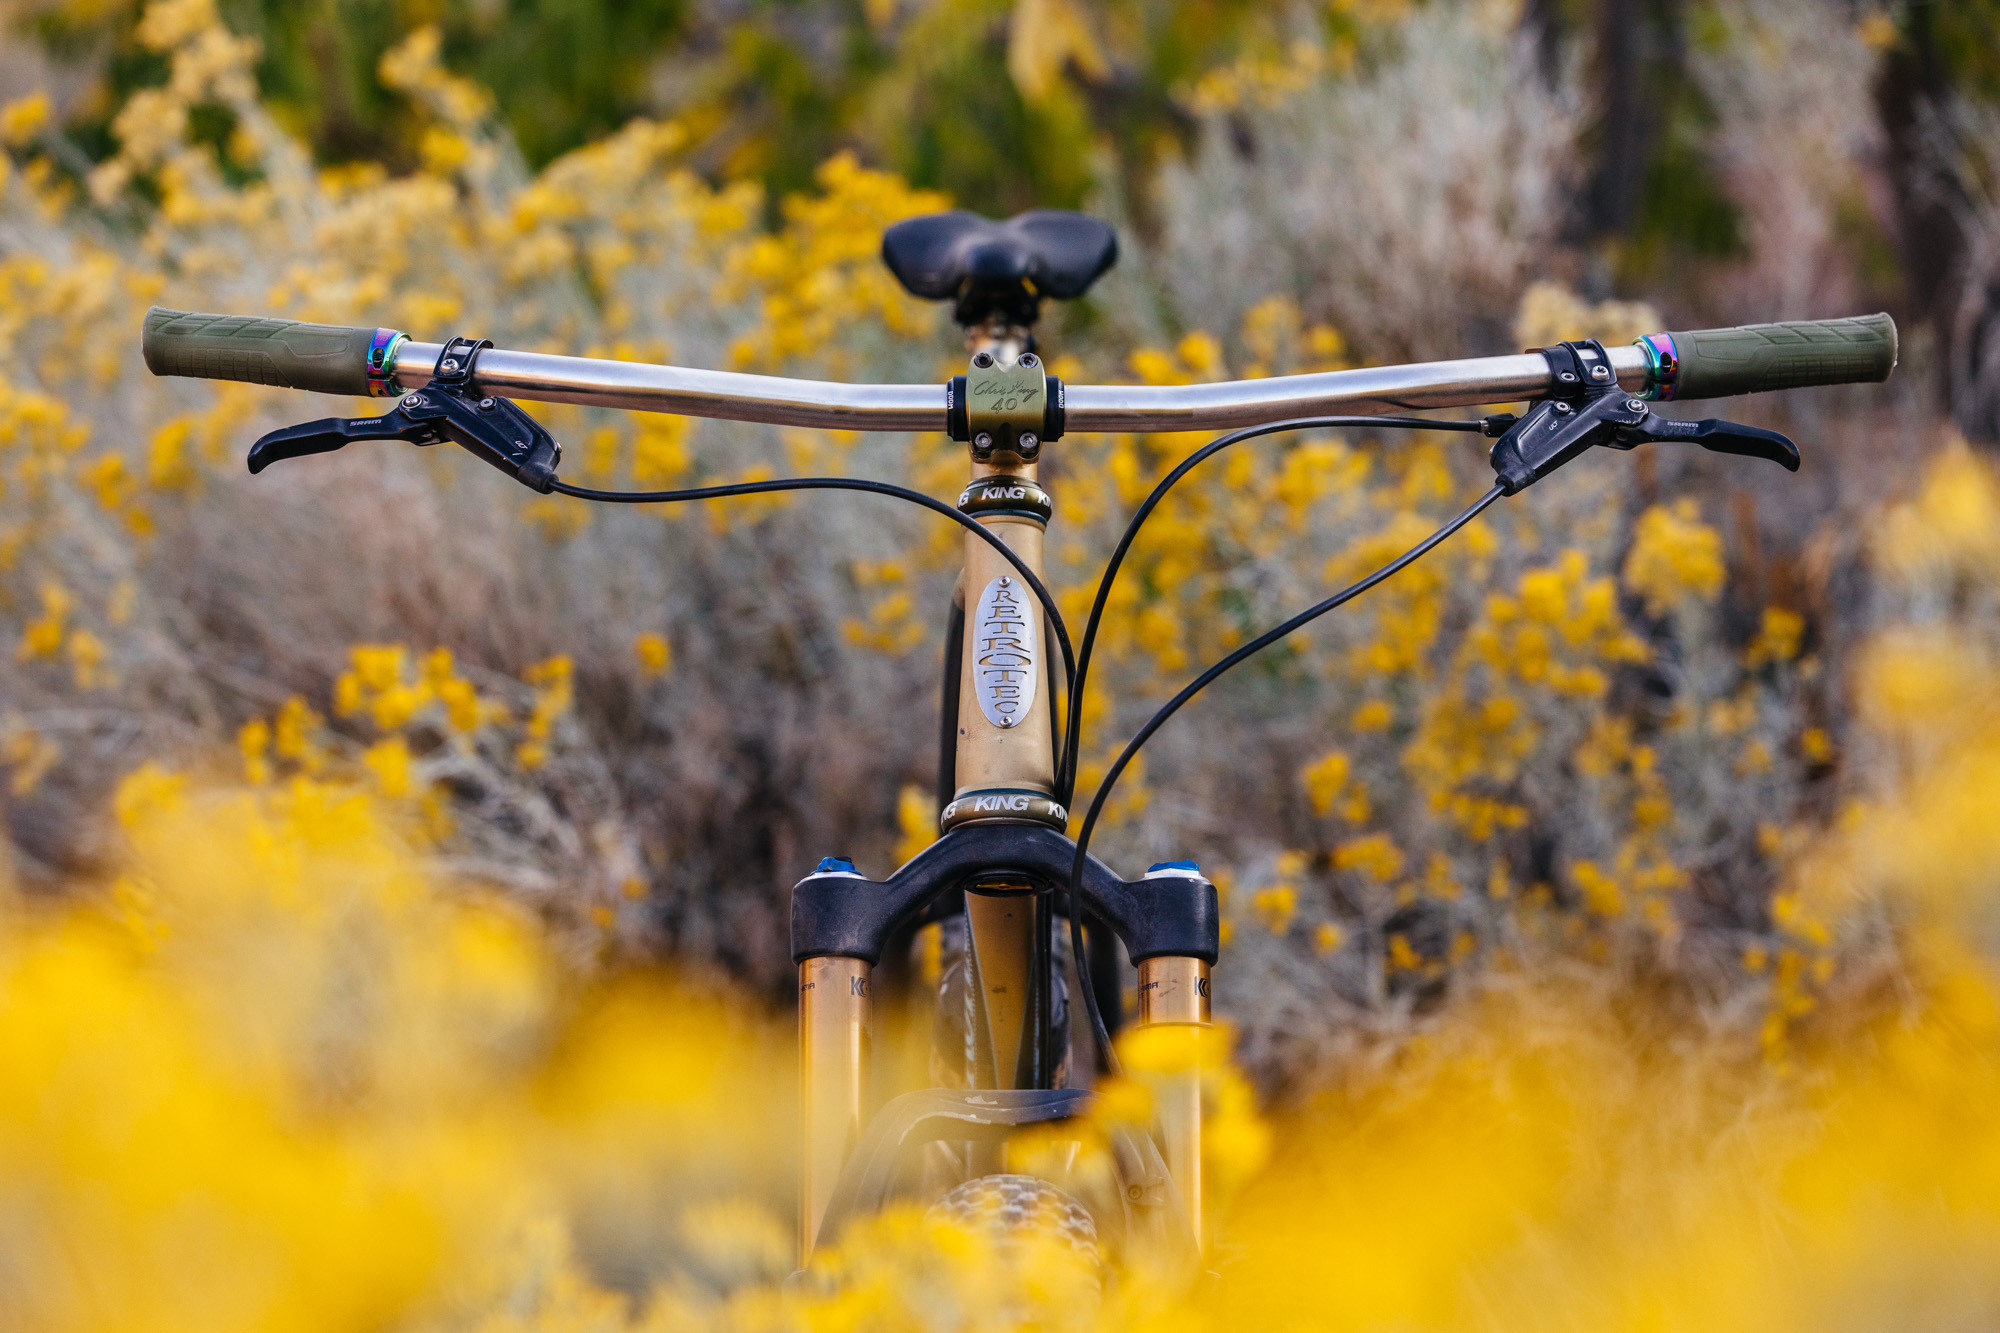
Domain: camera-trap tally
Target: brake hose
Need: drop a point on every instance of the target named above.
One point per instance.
(1066, 772)
(985, 534)
(1173, 705)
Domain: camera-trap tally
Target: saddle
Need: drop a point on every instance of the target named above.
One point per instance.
(999, 268)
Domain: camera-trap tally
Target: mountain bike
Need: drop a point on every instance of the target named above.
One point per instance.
(1004, 870)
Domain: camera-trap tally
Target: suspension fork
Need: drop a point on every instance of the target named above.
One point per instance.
(836, 1013)
(842, 922)
(1174, 989)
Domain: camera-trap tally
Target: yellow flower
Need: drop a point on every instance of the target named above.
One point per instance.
(1375, 715)
(254, 740)
(1374, 856)
(167, 465)
(1600, 891)
(1778, 639)
(916, 822)
(23, 118)
(44, 636)
(389, 761)
(1675, 558)
(1952, 525)
(655, 654)
(292, 736)
(1325, 779)
(1275, 907)
(378, 666)
(147, 792)
(659, 448)
(1403, 958)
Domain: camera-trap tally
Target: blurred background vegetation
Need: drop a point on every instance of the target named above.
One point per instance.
(1303, 184)
(1005, 105)
(355, 795)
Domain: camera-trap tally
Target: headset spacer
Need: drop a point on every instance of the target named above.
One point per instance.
(1017, 497)
(1003, 805)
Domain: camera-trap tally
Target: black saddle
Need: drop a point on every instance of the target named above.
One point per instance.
(1002, 268)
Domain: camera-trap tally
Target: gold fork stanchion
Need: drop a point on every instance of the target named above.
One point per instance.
(1175, 990)
(836, 1014)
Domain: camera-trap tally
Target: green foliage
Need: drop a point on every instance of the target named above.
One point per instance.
(768, 90)
(1963, 38)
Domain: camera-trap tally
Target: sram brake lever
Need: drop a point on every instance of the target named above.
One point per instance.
(448, 408)
(1556, 430)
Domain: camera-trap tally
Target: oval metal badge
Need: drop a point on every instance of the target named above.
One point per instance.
(1003, 652)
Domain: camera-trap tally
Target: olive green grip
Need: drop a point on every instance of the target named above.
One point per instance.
(320, 358)
(1757, 358)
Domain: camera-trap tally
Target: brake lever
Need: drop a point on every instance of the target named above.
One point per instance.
(331, 433)
(448, 408)
(1715, 435)
(1559, 428)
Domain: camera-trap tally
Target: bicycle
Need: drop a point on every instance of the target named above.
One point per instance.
(1004, 868)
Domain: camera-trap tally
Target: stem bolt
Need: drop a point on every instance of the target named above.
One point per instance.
(1029, 441)
(450, 365)
(982, 359)
(982, 441)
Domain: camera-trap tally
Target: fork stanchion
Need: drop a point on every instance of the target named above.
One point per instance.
(1174, 989)
(836, 1014)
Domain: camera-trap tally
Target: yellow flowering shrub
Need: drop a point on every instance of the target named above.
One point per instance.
(1674, 557)
(1447, 714)
(1584, 948)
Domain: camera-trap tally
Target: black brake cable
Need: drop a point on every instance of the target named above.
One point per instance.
(985, 534)
(1066, 765)
(1066, 772)
(1173, 705)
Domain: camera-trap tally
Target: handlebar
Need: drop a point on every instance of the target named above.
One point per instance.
(322, 358)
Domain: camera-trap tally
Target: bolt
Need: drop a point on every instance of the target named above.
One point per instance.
(1028, 360)
(414, 400)
(450, 365)
(486, 404)
(982, 359)
(1029, 441)
(1563, 408)
(982, 441)
(1635, 405)
(1567, 378)
(1599, 373)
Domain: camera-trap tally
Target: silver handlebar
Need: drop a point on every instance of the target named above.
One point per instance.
(826, 405)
